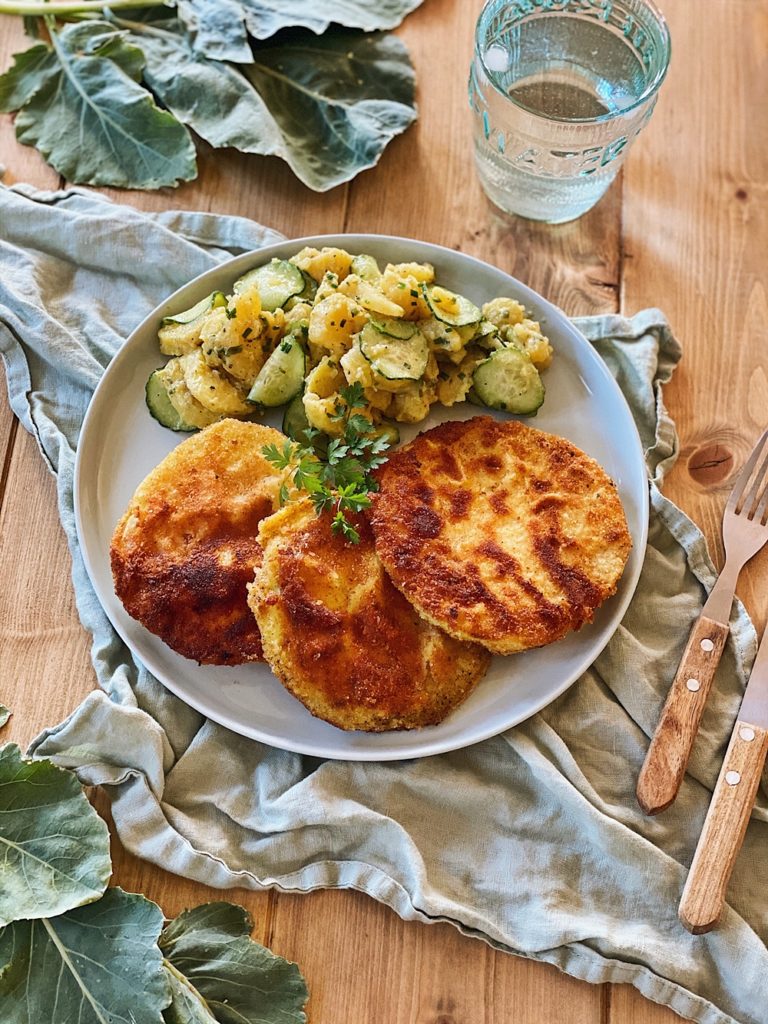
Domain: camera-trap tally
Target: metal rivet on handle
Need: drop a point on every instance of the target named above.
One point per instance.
(693, 684)
(707, 645)
(732, 778)
(746, 733)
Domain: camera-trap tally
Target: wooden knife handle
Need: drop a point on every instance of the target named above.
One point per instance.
(724, 828)
(670, 748)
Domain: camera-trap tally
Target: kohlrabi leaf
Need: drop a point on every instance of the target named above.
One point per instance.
(30, 71)
(218, 29)
(98, 964)
(187, 1005)
(103, 39)
(54, 848)
(89, 117)
(326, 105)
(210, 96)
(240, 981)
(337, 100)
(5, 714)
(222, 26)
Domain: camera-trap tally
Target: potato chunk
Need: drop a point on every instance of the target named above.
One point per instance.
(332, 323)
(317, 263)
(212, 388)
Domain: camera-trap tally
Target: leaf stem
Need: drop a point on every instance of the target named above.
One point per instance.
(62, 7)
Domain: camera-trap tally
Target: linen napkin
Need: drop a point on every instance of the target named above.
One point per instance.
(565, 868)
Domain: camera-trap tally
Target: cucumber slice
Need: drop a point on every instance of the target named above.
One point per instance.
(451, 308)
(296, 424)
(309, 290)
(395, 358)
(366, 267)
(486, 335)
(199, 308)
(277, 281)
(159, 404)
(282, 376)
(394, 328)
(508, 380)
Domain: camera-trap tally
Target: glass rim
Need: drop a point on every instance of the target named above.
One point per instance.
(611, 115)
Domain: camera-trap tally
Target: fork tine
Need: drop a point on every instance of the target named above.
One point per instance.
(745, 474)
(748, 504)
(762, 507)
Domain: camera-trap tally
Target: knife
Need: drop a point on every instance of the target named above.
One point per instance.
(726, 822)
(744, 534)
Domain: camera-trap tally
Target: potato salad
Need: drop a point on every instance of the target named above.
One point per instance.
(299, 333)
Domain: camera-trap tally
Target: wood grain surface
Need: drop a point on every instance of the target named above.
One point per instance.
(684, 229)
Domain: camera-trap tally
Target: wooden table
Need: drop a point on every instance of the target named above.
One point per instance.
(685, 229)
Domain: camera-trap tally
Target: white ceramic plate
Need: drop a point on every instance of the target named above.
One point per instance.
(120, 443)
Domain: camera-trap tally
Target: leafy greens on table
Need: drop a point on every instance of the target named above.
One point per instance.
(109, 97)
(73, 949)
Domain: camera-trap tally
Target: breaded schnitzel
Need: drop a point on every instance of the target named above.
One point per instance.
(186, 547)
(342, 639)
(499, 533)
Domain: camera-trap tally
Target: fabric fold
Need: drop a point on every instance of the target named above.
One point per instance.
(565, 868)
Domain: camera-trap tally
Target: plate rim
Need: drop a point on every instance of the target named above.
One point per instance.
(426, 748)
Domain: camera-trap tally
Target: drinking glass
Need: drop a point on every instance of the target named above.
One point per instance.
(559, 90)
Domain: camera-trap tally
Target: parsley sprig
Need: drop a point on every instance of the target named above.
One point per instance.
(342, 481)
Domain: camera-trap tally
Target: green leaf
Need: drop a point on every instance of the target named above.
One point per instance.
(354, 395)
(341, 524)
(31, 26)
(99, 964)
(5, 714)
(104, 40)
(54, 848)
(218, 29)
(240, 981)
(222, 25)
(90, 118)
(326, 106)
(337, 100)
(30, 71)
(187, 1005)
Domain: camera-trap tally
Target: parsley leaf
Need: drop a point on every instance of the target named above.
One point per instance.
(342, 483)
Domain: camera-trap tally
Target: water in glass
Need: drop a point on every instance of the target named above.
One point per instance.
(559, 88)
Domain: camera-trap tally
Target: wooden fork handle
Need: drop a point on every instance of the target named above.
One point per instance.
(670, 748)
(723, 833)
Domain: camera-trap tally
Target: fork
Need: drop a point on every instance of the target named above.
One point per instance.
(744, 532)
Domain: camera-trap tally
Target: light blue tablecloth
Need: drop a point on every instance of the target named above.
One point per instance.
(532, 840)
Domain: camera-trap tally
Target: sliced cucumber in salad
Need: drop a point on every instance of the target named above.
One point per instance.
(281, 377)
(395, 358)
(296, 425)
(394, 328)
(180, 334)
(451, 308)
(277, 281)
(365, 267)
(508, 380)
(159, 404)
(307, 293)
(199, 308)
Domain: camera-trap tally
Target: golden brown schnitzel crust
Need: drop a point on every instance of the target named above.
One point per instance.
(500, 533)
(185, 550)
(342, 639)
